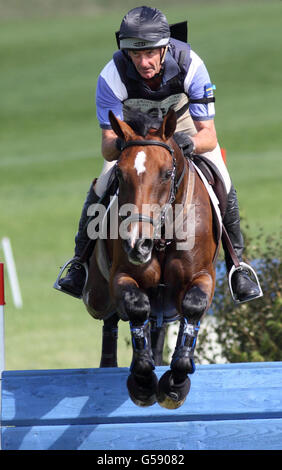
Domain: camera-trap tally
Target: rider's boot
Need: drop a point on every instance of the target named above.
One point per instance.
(243, 286)
(74, 280)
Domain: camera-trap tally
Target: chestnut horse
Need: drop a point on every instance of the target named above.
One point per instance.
(153, 172)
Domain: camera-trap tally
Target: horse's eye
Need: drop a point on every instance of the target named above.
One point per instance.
(167, 174)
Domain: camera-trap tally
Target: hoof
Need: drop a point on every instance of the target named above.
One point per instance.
(143, 393)
(171, 395)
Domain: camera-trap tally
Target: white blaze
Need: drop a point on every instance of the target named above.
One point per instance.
(139, 164)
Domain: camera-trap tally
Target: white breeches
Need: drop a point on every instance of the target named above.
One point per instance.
(215, 157)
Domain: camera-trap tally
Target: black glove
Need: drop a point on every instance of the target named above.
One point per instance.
(185, 143)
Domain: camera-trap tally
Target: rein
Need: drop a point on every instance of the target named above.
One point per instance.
(173, 186)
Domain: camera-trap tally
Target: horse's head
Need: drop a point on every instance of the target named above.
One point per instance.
(146, 171)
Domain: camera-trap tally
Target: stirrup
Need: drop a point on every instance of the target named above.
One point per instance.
(56, 283)
(247, 267)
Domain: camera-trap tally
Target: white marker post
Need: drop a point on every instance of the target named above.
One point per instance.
(12, 272)
(2, 334)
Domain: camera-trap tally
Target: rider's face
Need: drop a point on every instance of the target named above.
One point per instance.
(147, 62)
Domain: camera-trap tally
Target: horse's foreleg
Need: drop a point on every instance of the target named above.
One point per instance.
(142, 382)
(175, 384)
(134, 304)
(109, 342)
(195, 303)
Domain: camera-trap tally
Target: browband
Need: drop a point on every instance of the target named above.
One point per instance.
(142, 143)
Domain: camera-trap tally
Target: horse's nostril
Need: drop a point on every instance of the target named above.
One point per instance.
(148, 243)
(141, 251)
(145, 245)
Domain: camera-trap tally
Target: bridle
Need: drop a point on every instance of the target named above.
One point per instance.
(174, 185)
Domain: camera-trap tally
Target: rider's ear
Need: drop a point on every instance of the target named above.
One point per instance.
(121, 129)
(168, 125)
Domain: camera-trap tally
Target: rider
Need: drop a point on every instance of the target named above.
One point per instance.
(154, 72)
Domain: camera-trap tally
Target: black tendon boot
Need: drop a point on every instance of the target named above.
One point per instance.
(244, 288)
(142, 381)
(73, 282)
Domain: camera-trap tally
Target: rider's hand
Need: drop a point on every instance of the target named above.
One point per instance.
(185, 143)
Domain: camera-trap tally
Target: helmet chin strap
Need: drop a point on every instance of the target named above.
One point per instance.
(163, 54)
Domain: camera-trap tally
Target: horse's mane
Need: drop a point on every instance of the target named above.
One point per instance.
(141, 122)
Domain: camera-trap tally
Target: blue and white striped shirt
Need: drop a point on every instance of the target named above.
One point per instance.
(111, 91)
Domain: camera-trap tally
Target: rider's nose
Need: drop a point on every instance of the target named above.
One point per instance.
(143, 62)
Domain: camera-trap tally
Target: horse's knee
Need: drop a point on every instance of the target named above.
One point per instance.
(194, 303)
(134, 304)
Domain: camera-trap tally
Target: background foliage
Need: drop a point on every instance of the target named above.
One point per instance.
(252, 331)
(51, 53)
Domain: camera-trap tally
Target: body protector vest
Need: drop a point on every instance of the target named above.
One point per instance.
(171, 93)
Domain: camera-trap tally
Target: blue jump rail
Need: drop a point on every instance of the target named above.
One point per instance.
(229, 407)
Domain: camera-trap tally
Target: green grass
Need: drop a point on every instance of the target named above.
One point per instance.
(51, 54)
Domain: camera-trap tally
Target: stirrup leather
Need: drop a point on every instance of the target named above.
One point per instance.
(70, 261)
(245, 267)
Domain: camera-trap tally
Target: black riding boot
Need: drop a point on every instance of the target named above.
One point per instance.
(75, 278)
(243, 287)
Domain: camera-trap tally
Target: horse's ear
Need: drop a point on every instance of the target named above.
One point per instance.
(168, 125)
(121, 129)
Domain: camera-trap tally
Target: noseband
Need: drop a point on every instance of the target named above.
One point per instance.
(174, 185)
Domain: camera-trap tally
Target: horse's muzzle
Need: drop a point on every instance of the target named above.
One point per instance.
(141, 251)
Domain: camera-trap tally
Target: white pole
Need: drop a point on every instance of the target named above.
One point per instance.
(2, 344)
(12, 272)
(2, 303)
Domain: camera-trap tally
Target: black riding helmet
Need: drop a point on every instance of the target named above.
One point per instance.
(144, 28)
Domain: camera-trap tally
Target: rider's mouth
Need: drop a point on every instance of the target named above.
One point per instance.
(146, 71)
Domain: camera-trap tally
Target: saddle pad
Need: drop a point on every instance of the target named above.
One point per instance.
(215, 205)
